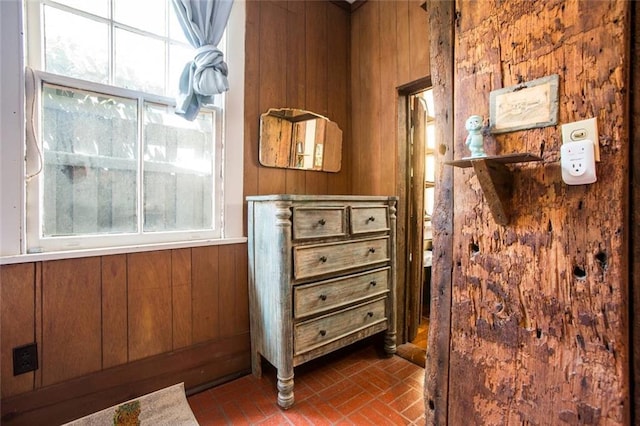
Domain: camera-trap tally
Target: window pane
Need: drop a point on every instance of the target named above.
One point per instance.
(90, 151)
(148, 15)
(178, 172)
(97, 7)
(139, 62)
(76, 46)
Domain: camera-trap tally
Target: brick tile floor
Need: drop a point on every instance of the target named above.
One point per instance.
(354, 386)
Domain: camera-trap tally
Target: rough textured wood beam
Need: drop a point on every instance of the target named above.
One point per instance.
(539, 319)
(436, 387)
(635, 203)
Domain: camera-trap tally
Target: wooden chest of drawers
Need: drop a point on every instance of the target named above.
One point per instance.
(321, 276)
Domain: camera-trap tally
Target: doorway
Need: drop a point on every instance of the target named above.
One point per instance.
(420, 184)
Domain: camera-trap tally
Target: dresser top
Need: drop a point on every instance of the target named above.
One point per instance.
(300, 197)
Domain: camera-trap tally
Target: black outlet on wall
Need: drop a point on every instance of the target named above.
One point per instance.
(25, 359)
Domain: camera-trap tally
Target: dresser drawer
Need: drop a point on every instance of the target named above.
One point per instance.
(369, 219)
(314, 260)
(318, 222)
(314, 298)
(310, 334)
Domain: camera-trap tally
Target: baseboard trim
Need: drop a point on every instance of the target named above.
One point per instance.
(200, 365)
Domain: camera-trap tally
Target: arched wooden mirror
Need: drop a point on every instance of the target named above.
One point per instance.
(299, 139)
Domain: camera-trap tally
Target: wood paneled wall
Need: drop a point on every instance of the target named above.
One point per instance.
(297, 56)
(539, 326)
(119, 323)
(389, 49)
(110, 328)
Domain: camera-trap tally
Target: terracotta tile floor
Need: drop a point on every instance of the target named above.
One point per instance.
(354, 386)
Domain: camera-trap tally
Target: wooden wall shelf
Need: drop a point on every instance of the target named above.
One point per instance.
(495, 179)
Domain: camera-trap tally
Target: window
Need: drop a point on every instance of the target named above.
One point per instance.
(111, 164)
(135, 44)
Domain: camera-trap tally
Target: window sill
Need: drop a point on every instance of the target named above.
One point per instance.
(72, 254)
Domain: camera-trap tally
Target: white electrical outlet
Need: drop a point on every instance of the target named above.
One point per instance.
(582, 130)
(578, 163)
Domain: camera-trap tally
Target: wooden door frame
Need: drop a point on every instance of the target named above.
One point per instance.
(436, 384)
(415, 213)
(404, 238)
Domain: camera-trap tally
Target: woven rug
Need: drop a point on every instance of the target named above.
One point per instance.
(166, 407)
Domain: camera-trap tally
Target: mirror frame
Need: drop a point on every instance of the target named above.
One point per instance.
(285, 142)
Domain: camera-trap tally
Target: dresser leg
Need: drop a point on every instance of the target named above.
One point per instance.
(285, 391)
(390, 342)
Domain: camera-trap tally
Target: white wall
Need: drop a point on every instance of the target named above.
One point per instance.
(11, 126)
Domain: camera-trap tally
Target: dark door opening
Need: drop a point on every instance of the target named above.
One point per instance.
(420, 202)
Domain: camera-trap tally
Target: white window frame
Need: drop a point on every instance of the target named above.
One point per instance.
(13, 247)
(36, 242)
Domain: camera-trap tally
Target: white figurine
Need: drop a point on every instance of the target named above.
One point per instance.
(474, 140)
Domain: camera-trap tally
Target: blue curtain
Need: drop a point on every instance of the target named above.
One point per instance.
(203, 23)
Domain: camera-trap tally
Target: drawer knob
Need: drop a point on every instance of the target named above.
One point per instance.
(371, 219)
(323, 333)
(323, 297)
(373, 283)
(372, 250)
(370, 314)
(322, 222)
(323, 259)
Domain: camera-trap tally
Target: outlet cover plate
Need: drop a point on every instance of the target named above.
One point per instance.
(582, 130)
(25, 359)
